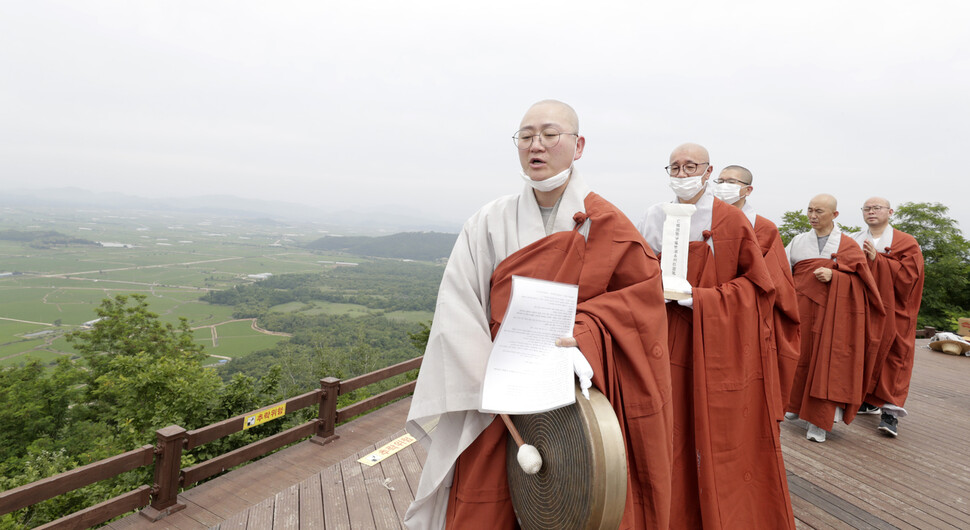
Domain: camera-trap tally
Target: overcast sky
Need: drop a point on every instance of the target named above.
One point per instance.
(373, 103)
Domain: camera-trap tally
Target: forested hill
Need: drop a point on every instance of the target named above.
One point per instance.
(423, 246)
(42, 238)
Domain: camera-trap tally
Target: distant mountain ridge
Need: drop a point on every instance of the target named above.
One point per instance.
(422, 246)
(369, 219)
(42, 238)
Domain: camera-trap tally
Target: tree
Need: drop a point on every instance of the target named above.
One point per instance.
(35, 403)
(946, 253)
(795, 222)
(143, 374)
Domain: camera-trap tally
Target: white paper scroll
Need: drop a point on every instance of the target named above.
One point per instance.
(527, 373)
(674, 250)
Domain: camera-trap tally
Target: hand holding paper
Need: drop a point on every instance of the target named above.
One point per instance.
(581, 367)
(526, 372)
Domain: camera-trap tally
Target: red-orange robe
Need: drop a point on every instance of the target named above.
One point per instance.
(621, 329)
(841, 323)
(899, 275)
(728, 467)
(785, 311)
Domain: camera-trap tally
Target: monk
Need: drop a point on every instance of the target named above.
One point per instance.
(555, 229)
(841, 322)
(896, 263)
(734, 187)
(728, 467)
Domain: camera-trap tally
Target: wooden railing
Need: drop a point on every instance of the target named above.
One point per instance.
(161, 498)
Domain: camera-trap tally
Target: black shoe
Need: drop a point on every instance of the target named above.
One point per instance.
(887, 425)
(869, 409)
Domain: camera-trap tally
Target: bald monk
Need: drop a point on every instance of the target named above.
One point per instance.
(555, 229)
(896, 262)
(728, 467)
(734, 186)
(841, 322)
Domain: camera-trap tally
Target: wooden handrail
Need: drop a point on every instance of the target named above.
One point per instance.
(209, 433)
(172, 440)
(50, 487)
(367, 379)
(101, 512)
(218, 464)
(373, 402)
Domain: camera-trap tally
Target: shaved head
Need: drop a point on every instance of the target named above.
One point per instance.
(878, 201)
(565, 114)
(739, 173)
(876, 212)
(694, 152)
(825, 200)
(822, 213)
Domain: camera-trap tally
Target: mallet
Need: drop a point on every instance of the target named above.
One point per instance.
(528, 456)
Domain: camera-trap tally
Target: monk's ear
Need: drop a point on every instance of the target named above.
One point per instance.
(835, 214)
(580, 144)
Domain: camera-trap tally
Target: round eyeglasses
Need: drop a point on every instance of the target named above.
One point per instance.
(867, 209)
(548, 138)
(688, 168)
(731, 181)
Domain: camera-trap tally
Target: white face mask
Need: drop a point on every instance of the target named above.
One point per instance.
(727, 192)
(686, 187)
(550, 183)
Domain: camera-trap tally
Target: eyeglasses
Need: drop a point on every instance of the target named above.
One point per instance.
(689, 168)
(548, 138)
(867, 209)
(730, 181)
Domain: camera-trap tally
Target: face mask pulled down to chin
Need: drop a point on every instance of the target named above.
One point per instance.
(686, 187)
(550, 183)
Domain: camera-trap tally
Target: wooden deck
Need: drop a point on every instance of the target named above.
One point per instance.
(858, 478)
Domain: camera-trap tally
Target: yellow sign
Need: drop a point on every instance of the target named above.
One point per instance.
(392, 447)
(264, 416)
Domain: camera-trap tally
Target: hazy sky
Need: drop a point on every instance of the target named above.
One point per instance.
(373, 103)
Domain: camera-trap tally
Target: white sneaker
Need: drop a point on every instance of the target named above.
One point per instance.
(815, 434)
(792, 417)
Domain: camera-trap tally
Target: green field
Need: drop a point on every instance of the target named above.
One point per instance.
(172, 260)
(321, 307)
(411, 316)
(235, 339)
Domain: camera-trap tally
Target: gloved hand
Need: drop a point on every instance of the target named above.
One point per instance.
(685, 288)
(687, 302)
(581, 367)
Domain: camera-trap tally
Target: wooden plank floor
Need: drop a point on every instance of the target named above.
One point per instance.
(858, 478)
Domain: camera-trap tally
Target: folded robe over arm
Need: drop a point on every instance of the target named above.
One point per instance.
(841, 324)
(898, 272)
(728, 467)
(620, 328)
(785, 329)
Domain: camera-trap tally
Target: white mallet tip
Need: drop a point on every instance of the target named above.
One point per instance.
(529, 459)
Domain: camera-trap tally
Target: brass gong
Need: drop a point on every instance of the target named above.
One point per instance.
(582, 482)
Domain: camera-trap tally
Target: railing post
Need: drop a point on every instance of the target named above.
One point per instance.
(327, 418)
(168, 468)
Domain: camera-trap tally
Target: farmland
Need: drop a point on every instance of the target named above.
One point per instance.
(48, 289)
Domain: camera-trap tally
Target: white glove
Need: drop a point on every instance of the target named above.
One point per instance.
(681, 288)
(584, 372)
(687, 302)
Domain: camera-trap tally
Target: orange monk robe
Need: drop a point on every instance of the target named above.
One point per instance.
(728, 467)
(841, 323)
(620, 328)
(785, 328)
(898, 271)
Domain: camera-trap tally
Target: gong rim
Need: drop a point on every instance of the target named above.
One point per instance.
(583, 479)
